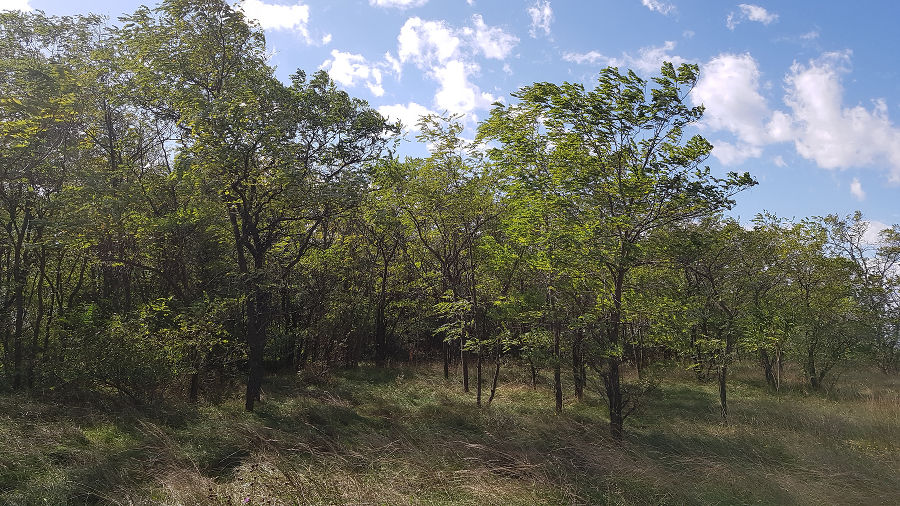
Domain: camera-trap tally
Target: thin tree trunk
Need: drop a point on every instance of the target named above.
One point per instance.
(578, 364)
(612, 378)
(533, 373)
(557, 368)
(464, 357)
(478, 378)
(496, 373)
(723, 396)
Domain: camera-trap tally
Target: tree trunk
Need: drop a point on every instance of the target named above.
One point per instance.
(464, 357)
(496, 373)
(533, 373)
(478, 378)
(612, 378)
(768, 364)
(257, 315)
(19, 323)
(195, 387)
(578, 364)
(723, 398)
(557, 366)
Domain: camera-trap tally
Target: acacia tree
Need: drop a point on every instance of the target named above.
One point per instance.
(634, 172)
(280, 160)
(826, 317)
(719, 268)
(875, 262)
(448, 203)
(43, 112)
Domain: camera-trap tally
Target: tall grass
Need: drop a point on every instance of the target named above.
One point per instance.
(407, 436)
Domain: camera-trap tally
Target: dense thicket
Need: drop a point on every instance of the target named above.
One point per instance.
(175, 218)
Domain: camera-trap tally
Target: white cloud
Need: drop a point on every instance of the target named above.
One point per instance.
(493, 42)
(444, 55)
(816, 121)
(407, 114)
(348, 69)
(457, 94)
(326, 39)
(779, 161)
(658, 6)
(733, 154)
(873, 230)
(398, 4)
(830, 134)
(592, 57)
(541, 16)
(757, 13)
(278, 17)
(394, 64)
(811, 35)
(426, 42)
(857, 190)
(750, 12)
(15, 5)
(729, 89)
(648, 60)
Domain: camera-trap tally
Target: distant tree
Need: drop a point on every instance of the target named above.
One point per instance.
(632, 171)
(281, 160)
(827, 318)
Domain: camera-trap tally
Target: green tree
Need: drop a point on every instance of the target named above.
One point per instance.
(280, 160)
(623, 144)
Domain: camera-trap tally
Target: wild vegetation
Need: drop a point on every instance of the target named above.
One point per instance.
(178, 222)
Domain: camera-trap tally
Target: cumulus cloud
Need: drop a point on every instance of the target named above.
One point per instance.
(491, 41)
(456, 93)
(426, 42)
(398, 4)
(349, 69)
(832, 135)
(857, 190)
(750, 12)
(648, 60)
(733, 154)
(729, 88)
(15, 5)
(444, 54)
(541, 16)
(278, 17)
(821, 128)
(408, 114)
(659, 6)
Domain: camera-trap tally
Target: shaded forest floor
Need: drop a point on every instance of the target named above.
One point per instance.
(405, 436)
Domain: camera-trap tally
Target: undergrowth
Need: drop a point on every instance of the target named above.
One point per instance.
(407, 436)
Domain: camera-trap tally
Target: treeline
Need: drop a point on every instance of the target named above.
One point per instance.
(175, 217)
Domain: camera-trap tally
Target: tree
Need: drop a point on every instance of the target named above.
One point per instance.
(633, 173)
(875, 262)
(280, 160)
(825, 314)
(448, 203)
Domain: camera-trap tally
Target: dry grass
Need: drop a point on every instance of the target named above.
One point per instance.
(405, 436)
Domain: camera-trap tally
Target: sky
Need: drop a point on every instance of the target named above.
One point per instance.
(805, 95)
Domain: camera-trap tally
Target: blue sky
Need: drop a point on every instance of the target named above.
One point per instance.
(804, 94)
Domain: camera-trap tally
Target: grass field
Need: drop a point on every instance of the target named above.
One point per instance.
(405, 436)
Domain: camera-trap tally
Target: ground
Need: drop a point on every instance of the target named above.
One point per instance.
(404, 435)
